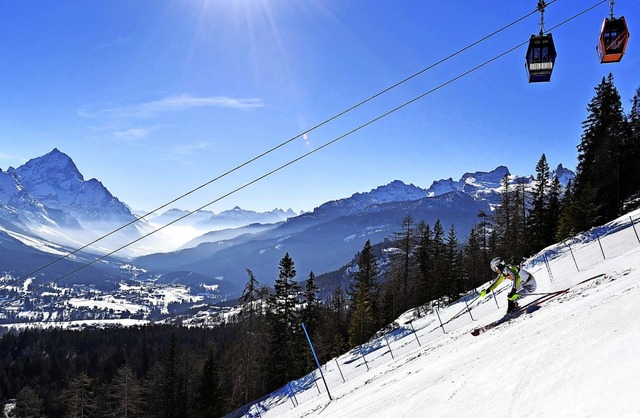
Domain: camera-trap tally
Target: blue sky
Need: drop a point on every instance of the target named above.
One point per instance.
(155, 98)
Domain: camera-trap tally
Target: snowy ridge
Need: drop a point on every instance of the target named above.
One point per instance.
(576, 356)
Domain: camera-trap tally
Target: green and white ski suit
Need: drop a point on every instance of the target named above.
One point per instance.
(523, 283)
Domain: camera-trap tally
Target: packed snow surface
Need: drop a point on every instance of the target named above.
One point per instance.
(577, 356)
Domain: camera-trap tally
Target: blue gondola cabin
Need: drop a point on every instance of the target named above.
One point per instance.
(541, 57)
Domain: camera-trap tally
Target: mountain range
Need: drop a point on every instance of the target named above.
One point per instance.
(328, 237)
(47, 201)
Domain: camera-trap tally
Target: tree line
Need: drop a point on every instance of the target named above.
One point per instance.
(164, 371)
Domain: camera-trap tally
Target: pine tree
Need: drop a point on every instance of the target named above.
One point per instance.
(310, 314)
(173, 385)
(401, 286)
(126, 398)
(249, 298)
(553, 213)
(364, 294)
(333, 330)
(484, 233)
(598, 184)
(503, 220)
(286, 350)
(362, 320)
(473, 262)
(424, 256)
(79, 398)
(538, 214)
(631, 156)
(510, 222)
(519, 223)
(246, 353)
(439, 265)
(28, 404)
(569, 214)
(454, 276)
(208, 399)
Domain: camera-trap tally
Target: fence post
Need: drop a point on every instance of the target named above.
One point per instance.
(257, 405)
(317, 362)
(316, 382)
(546, 263)
(364, 358)
(468, 310)
(414, 333)
(291, 392)
(572, 256)
(440, 320)
(340, 370)
(601, 250)
(389, 346)
(633, 224)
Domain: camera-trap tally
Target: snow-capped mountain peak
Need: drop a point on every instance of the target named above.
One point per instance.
(55, 181)
(563, 174)
(397, 191)
(470, 183)
(490, 180)
(50, 173)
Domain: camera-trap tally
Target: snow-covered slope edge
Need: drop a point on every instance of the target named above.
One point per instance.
(573, 357)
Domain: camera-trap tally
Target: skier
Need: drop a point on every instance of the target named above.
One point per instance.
(523, 282)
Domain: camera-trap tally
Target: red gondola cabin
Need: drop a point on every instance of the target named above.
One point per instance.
(613, 40)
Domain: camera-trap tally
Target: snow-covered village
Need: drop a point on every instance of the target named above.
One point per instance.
(266, 208)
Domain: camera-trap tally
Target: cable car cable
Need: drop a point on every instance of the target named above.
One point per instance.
(263, 154)
(325, 145)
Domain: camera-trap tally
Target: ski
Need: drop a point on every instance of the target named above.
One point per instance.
(494, 324)
(529, 307)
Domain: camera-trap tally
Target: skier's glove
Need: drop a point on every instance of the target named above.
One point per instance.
(514, 297)
(483, 293)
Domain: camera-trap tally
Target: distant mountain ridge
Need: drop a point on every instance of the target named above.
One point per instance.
(327, 238)
(210, 221)
(48, 197)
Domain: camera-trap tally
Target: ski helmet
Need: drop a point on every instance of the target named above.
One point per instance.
(497, 264)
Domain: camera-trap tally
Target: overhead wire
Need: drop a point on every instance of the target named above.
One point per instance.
(281, 167)
(275, 148)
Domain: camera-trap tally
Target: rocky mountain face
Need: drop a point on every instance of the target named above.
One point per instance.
(54, 181)
(48, 198)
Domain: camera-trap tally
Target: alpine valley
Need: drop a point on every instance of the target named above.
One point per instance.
(72, 253)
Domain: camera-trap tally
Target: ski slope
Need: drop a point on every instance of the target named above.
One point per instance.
(574, 357)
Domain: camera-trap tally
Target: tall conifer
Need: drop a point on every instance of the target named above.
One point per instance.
(598, 191)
